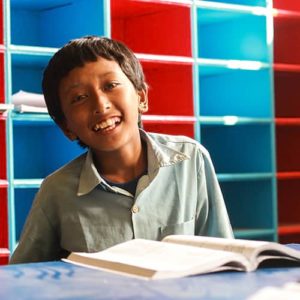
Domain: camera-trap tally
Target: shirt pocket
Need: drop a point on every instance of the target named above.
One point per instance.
(186, 228)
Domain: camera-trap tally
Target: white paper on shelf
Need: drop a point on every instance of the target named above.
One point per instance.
(4, 107)
(23, 108)
(31, 99)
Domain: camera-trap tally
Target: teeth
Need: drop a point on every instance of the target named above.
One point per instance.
(105, 124)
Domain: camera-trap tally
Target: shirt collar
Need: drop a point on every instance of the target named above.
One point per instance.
(159, 155)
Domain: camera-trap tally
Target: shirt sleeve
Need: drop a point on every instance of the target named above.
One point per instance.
(39, 241)
(212, 218)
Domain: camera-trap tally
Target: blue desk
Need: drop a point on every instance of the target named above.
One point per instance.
(59, 280)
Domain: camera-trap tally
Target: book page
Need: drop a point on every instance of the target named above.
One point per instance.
(166, 260)
(244, 247)
(254, 251)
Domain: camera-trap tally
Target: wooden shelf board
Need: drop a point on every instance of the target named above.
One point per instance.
(244, 176)
(4, 252)
(3, 183)
(287, 121)
(288, 175)
(286, 67)
(168, 119)
(27, 183)
(252, 232)
(289, 229)
(285, 14)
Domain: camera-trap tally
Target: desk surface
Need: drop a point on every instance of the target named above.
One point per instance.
(59, 280)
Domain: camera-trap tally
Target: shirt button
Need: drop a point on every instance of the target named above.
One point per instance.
(134, 209)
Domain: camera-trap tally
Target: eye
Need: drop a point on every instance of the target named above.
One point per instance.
(78, 98)
(110, 86)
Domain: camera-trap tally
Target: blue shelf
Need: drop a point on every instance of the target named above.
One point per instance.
(244, 177)
(52, 23)
(257, 234)
(242, 27)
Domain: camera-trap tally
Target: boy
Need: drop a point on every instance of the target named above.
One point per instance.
(129, 184)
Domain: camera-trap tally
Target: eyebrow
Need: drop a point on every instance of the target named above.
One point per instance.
(77, 84)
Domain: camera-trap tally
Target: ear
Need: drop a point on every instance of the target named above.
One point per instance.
(143, 101)
(68, 133)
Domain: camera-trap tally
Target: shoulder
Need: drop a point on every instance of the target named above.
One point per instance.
(66, 175)
(180, 143)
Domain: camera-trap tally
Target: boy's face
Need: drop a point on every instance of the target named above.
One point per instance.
(101, 106)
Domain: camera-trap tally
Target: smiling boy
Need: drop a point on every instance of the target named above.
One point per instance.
(129, 184)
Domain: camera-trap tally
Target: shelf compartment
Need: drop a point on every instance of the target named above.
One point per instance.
(241, 93)
(287, 145)
(37, 160)
(53, 23)
(2, 150)
(288, 202)
(166, 96)
(287, 102)
(246, 32)
(27, 71)
(287, 39)
(2, 84)
(2, 30)
(157, 22)
(23, 202)
(3, 221)
(4, 256)
(251, 206)
(240, 148)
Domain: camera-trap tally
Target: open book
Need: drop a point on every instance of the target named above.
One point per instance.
(179, 255)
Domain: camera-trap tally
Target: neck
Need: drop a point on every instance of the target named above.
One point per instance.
(122, 165)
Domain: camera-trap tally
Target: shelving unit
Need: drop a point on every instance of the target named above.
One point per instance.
(3, 173)
(286, 78)
(35, 146)
(217, 87)
(211, 76)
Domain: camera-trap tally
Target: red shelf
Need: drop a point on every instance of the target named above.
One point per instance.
(152, 27)
(167, 128)
(289, 233)
(287, 121)
(287, 146)
(293, 5)
(288, 201)
(289, 229)
(287, 40)
(286, 67)
(170, 88)
(3, 224)
(286, 85)
(288, 175)
(2, 150)
(2, 84)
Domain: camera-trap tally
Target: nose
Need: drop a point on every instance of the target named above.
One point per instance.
(101, 103)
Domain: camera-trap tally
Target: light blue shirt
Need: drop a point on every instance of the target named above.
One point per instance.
(76, 210)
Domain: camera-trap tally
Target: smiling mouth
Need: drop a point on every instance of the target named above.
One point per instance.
(107, 125)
